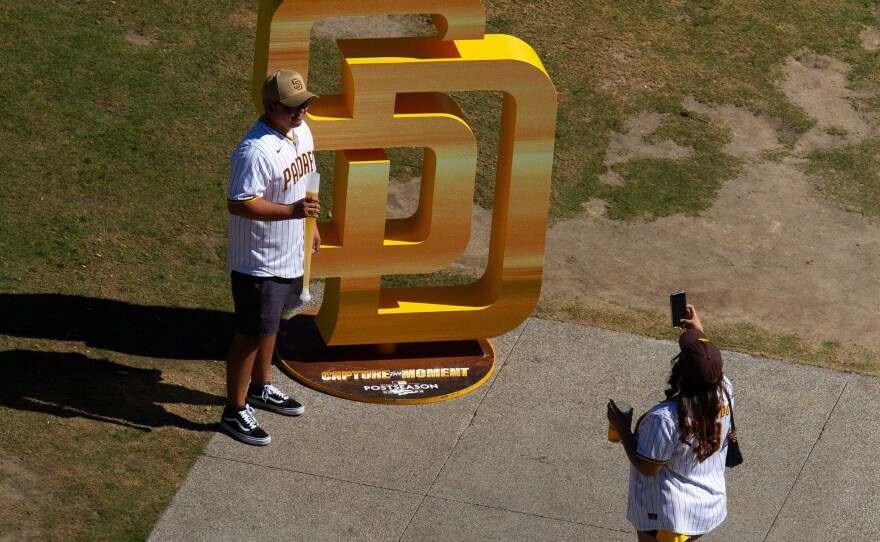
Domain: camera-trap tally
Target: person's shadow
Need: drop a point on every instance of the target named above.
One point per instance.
(76, 385)
(156, 332)
(71, 385)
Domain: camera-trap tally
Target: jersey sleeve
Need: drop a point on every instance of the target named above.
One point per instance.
(249, 173)
(656, 437)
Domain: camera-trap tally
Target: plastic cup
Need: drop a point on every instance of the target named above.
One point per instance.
(313, 181)
(613, 435)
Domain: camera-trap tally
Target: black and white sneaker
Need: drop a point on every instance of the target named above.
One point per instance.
(242, 425)
(269, 397)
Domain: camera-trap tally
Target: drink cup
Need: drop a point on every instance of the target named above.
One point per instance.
(613, 435)
(312, 181)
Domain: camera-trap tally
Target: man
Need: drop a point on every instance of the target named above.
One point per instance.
(267, 204)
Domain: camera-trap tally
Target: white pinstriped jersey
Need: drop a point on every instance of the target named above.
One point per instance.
(267, 164)
(686, 496)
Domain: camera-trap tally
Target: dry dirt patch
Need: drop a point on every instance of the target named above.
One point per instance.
(870, 38)
(373, 27)
(772, 251)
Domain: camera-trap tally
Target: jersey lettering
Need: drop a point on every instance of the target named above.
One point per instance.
(303, 164)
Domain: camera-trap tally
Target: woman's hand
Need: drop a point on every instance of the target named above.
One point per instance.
(693, 320)
(622, 421)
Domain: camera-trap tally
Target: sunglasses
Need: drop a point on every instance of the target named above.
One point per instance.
(293, 110)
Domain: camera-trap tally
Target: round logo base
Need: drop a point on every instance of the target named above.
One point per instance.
(403, 373)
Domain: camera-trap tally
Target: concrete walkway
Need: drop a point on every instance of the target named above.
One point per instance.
(525, 457)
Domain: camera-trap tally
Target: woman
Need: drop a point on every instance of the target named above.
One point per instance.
(676, 487)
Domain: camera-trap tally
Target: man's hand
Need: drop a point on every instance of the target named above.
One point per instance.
(316, 241)
(307, 207)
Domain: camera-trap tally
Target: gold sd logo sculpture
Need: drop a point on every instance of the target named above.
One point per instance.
(393, 95)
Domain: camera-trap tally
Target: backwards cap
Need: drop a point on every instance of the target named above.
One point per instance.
(701, 362)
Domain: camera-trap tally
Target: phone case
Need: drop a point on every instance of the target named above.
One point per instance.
(677, 303)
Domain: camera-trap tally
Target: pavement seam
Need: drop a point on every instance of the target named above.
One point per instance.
(463, 431)
(415, 494)
(304, 473)
(520, 512)
(809, 455)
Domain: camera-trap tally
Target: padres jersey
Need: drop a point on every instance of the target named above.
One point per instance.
(686, 496)
(268, 164)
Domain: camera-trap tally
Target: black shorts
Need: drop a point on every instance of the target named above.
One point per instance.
(260, 300)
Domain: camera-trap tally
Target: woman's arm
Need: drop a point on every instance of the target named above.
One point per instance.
(645, 466)
(623, 423)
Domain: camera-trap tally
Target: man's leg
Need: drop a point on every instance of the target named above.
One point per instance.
(263, 361)
(246, 362)
(238, 418)
(261, 393)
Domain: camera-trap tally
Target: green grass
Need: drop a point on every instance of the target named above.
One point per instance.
(738, 337)
(116, 124)
(117, 120)
(850, 175)
(658, 187)
(442, 278)
(110, 138)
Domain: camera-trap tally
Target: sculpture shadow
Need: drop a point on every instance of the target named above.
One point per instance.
(72, 385)
(158, 332)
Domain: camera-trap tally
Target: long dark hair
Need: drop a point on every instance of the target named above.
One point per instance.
(699, 407)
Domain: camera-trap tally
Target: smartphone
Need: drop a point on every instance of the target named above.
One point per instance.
(677, 303)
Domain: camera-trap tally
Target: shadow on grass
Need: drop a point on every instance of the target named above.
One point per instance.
(71, 385)
(158, 332)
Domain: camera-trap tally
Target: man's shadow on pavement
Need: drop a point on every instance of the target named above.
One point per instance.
(75, 385)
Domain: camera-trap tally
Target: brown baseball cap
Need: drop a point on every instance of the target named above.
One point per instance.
(700, 358)
(287, 87)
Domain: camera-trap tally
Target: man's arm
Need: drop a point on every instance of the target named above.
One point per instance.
(265, 210)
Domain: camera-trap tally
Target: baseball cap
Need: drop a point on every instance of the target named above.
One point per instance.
(287, 87)
(701, 362)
